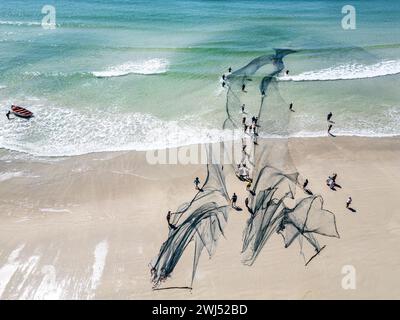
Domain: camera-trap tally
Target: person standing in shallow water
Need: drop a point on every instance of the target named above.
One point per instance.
(329, 117)
(291, 107)
(329, 129)
(230, 70)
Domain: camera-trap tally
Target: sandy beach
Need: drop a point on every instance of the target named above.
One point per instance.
(87, 227)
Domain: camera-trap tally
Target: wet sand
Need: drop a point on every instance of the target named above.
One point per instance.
(87, 227)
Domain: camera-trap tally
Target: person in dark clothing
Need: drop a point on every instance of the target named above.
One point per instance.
(329, 117)
(234, 199)
(305, 184)
(243, 87)
(287, 72)
(348, 202)
(230, 70)
(196, 183)
(291, 107)
(8, 115)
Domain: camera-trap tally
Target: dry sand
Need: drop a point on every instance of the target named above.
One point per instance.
(87, 227)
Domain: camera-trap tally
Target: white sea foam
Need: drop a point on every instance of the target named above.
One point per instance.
(348, 72)
(152, 66)
(75, 132)
(20, 23)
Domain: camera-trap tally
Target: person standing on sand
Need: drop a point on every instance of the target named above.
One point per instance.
(196, 183)
(291, 107)
(243, 87)
(234, 199)
(348, 202)
(8, 114)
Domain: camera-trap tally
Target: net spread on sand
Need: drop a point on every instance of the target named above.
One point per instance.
(271, 180)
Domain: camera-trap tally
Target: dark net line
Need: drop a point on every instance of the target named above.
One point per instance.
(271, 187)
(203, 219)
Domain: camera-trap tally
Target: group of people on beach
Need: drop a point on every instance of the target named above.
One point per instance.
(328, 119)
(243, 171)
(224, 77)
(332, 184)
(251, 129)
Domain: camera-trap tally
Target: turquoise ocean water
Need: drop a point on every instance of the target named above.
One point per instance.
(122, 75)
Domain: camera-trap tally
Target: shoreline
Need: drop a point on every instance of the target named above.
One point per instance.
(288, 139)
(91, 224)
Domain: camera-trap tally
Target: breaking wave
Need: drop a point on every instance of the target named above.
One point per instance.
(152, 66)
(348, 72)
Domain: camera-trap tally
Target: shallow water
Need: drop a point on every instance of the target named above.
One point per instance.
(121, 75)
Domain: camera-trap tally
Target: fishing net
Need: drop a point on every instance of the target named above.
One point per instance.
(266, 166)
(201, 221)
